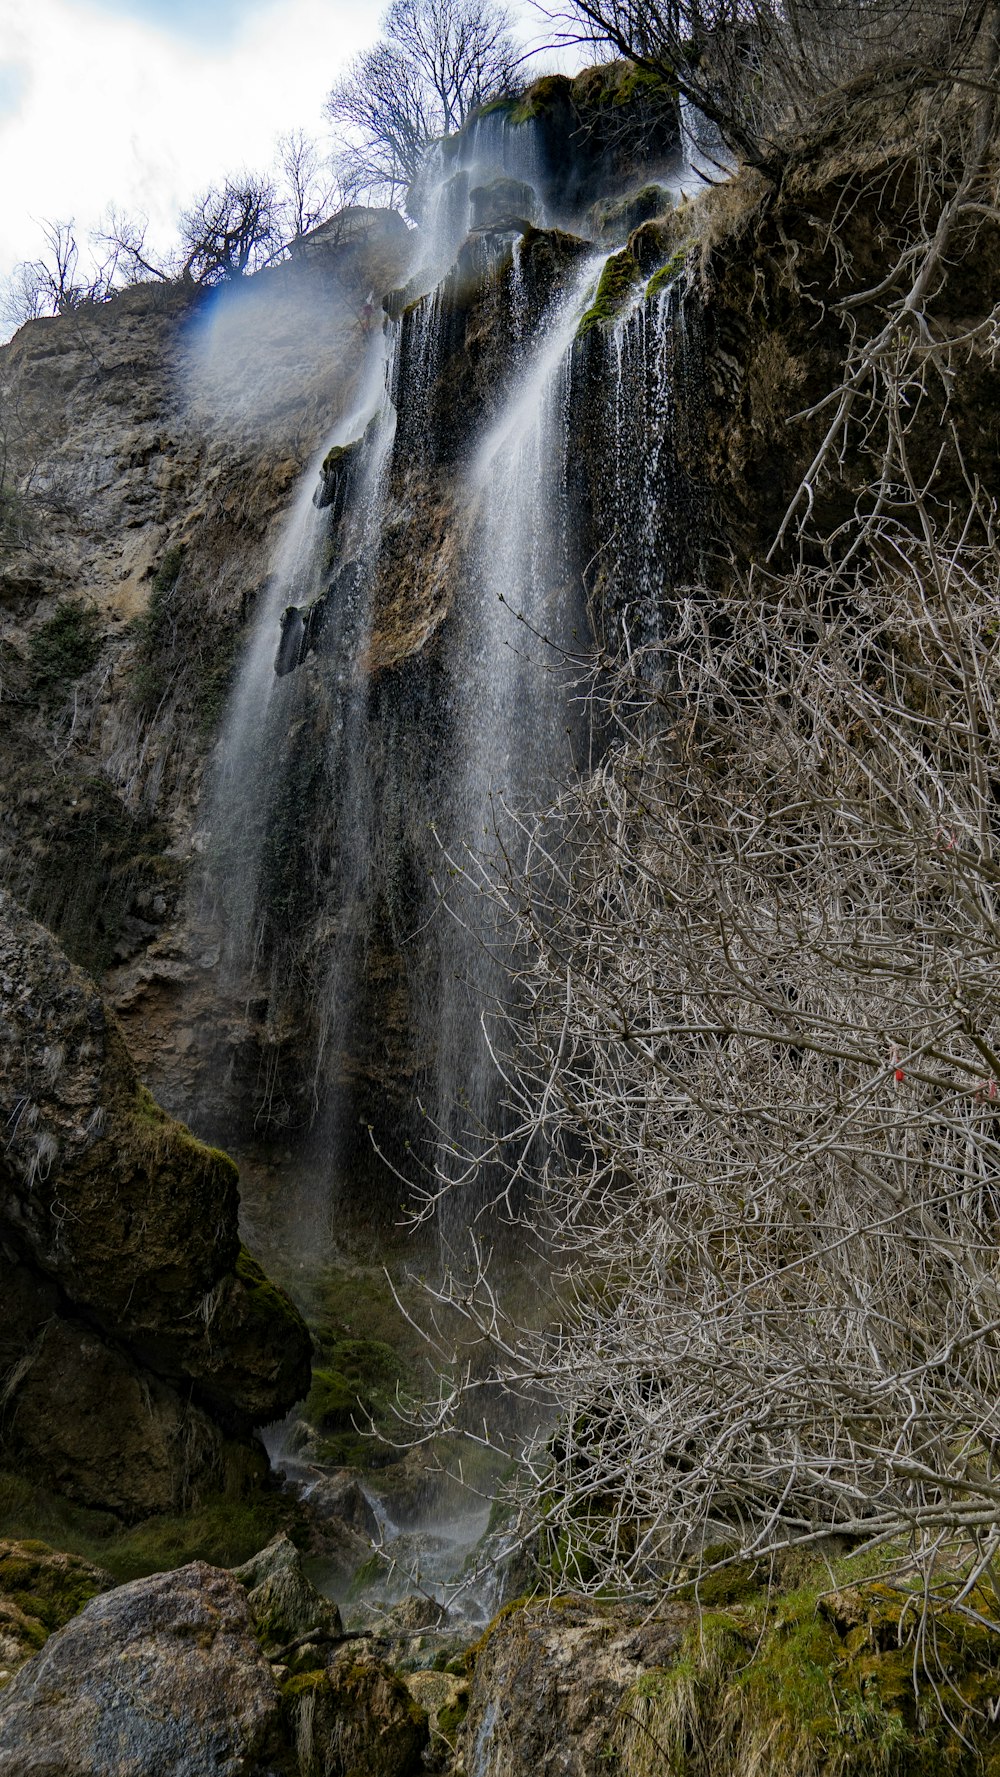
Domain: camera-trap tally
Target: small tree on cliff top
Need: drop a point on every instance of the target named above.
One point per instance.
(436, 62)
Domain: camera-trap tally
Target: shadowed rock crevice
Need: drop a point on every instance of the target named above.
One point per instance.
(141, 1344)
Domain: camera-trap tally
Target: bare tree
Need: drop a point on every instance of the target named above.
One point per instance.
(231, 230)
(56, 283)
(762, 71)
(124, 237)
(438, 60)
(308, 190)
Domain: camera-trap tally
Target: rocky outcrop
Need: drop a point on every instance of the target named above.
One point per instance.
(153, 444)
(548, 1682)
(290, 1616)
(178, 1674)
(577, 138)
(139, 1339)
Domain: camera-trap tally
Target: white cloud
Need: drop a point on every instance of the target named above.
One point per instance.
(105, 109)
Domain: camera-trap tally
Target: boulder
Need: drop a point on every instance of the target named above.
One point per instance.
(160, 1676)
(285, 1605)
(340, 1499)
(355, 1718)
(548, 1681)
(170, 1677)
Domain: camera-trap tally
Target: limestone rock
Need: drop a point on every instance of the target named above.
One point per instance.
(546, 1684)
(166, 1677)
(284, 1603)
(340, 1498)
(503, 204)
(356, 1719)
(160, 1676)
(445, 1697)
(138, 1338)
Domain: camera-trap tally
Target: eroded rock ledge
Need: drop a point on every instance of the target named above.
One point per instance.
(140, 1344)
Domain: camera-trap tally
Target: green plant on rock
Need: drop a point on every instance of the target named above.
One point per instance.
(62, 649)
(818, 1684)
(667, 273)
(615, 286)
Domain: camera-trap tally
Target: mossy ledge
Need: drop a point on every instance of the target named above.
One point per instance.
(820, 1684)
(615, 286)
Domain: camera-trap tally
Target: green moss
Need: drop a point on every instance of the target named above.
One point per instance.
(370, 1573)
(451, 1717)
(302, 1683)
(819, 1684)
(615, 286)
(618, 217)
(667, 273)
(50, 1590)
(267, 1303)
(222, 1530)
(335, 457)
(356, 1385)
(62, 649)
(541, 97)
(621, 83)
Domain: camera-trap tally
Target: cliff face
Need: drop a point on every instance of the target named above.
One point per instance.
(152, 446)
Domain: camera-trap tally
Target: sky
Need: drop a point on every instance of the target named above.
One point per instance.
(143, 103)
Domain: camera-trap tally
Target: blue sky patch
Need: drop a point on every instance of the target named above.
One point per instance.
(204, 21)
(13, 81)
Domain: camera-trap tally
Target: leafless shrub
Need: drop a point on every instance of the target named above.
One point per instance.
(752, 1052)
(763, 72)
(756, 1065)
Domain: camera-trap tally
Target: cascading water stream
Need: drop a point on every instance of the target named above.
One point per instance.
(508, 672)
(421, 624)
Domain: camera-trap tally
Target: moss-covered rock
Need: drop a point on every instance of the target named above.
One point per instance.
(597, 133)
(614, 219)
(355, 1719)
(41, 1589)
(819, 1682)
(615, 286)
(119, 1243)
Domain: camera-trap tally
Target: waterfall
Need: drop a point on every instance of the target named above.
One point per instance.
(407, 688)
(289, 734)
(509, 676)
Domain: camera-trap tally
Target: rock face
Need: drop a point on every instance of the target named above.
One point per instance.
(171, 1677)
(547, 1684)
(154, 444)
(138, 1338)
